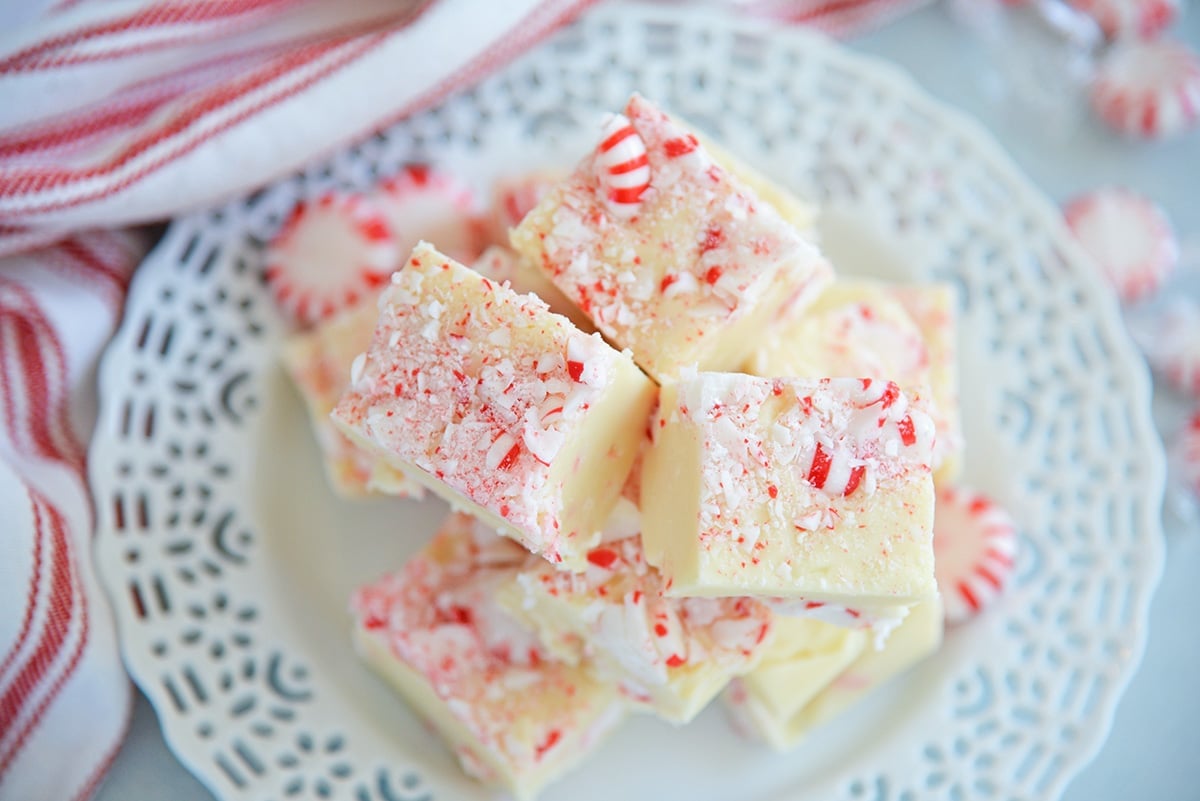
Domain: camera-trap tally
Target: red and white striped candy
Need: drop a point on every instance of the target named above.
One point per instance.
(1185, 455)
(420, 203)
(513, 198)
(330, 254)
(974, 545)
(622, 166)
(1143, 18)
(1148, 89)
(1128, 236)
(1171, 341)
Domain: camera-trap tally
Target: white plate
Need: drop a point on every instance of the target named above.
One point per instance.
(229, 561)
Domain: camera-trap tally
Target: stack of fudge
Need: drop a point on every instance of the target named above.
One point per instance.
(683, 462)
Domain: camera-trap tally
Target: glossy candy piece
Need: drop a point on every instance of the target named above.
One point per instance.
(1148, 90)
(1128, 236)
(974, 544)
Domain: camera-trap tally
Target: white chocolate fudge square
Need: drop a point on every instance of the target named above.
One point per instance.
(804, 657)
(670, 656)
(513, 715)
(318, 362)
(797, 687)
(932, 308)
(856, 328)
(498, 405)
(794, 488)
(670, 254)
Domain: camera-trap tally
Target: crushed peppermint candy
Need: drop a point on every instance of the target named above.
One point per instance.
(485, 415)
(615, 614)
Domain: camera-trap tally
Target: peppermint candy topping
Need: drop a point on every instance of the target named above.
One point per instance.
(329, 255)
(1128, 236)
(974, 544)
(1148, 89)
(622, 166)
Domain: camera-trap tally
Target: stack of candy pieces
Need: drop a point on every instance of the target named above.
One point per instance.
(638, 528)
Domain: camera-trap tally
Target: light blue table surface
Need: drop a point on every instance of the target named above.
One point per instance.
(1153, 752)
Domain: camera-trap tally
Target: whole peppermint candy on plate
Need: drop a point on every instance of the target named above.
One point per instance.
(329, 255)
(974, 545)
(421, 203)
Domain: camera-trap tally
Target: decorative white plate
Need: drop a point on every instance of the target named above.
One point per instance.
(229, 561)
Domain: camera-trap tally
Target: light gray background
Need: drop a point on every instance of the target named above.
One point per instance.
(1153, 752)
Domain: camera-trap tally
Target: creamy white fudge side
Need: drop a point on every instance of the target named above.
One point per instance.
(670, 656)
(816, 489)
(498, 405)
(318, 362)
(513, 715)
(669, 253)
(807, 678)
(804, 657)
(859, 327)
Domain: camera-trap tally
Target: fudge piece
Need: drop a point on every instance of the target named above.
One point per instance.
(670, 254)
(501, 264)
(669, 655)
(498, 405)
(904, 333)
(799, 685)
(816, 489)
(932, 308)
(512, 714)
(804, 657)
(318, 362)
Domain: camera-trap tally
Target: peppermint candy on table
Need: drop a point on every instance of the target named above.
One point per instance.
(622, 166)
(1148, 89)
(1185, 455)
(1128, 236)
(1144, 18)
(974, 545)
(330, 254)
(1170, 338)
(420, 203)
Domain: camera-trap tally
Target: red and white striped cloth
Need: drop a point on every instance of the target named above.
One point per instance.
(119, 112)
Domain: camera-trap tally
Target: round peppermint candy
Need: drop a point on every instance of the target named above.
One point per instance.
(330, 254)
(1128, 236)
(974, 544)
(420, 203)
(1148, 89)
(1143, 18)
(1170, 338)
